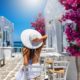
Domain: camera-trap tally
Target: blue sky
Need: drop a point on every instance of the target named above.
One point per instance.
(21, 13)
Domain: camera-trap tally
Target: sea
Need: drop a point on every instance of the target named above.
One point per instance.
(18, 44)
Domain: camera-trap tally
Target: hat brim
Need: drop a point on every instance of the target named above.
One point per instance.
(25, 38)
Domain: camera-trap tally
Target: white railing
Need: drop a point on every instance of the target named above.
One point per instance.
(2, 57)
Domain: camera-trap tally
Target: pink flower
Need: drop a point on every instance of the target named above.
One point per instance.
(39, 24)
(72, 31)
(70, 4)
(68, 32)
(76, 54)
(77, 40)
(71, 50)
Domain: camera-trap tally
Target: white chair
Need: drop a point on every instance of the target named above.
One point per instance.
(48, 61)
(59, 71)
(48, 52)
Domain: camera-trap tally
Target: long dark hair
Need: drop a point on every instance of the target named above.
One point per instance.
(32, 52)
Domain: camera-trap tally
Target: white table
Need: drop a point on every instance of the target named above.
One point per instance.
(49, 52)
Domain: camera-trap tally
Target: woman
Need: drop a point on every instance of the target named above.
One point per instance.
(31, 53)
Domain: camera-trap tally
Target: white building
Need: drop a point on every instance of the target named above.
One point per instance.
(53, 11)
(54, 30)
(6, 32)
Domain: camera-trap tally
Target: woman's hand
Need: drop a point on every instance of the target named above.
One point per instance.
(36, 40)
(23, 67)
(40, 39)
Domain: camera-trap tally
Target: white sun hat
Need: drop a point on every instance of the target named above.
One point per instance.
(28, 35)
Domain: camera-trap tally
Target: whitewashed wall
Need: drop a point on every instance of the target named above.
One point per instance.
(72, 71)
(8, 26)
(52, 12)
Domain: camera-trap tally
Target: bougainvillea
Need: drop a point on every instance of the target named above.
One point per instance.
(70, 4)
(71, 20)
(39, 24)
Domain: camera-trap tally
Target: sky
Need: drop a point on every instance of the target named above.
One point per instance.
(21, 13)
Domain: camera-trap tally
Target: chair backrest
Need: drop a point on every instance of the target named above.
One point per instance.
(55, 63)
(60, 65)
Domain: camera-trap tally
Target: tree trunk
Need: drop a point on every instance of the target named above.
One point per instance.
(77, 65)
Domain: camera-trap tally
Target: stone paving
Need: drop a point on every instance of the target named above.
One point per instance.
(8, 71)
(12, 65)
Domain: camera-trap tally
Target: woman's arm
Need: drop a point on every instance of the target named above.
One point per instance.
(38, 51)
(26, 53)
(40, 39)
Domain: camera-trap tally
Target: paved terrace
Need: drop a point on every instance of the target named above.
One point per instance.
(12, 65)
(8, 71)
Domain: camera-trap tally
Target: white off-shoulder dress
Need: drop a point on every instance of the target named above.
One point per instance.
(29, 72)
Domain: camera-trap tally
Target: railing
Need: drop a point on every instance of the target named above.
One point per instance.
(2, 57)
